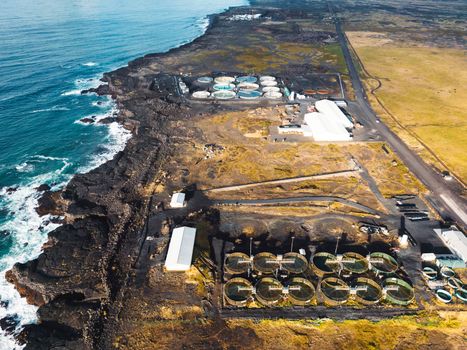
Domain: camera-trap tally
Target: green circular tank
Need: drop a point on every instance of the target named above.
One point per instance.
(398, 291)
(237, 263)
(354, 262)
(368, 292)
(334, 290)
(383, 263)
(266, 263)
(324, 263)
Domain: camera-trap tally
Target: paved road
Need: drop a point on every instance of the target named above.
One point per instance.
(449, 204)
(299, 200)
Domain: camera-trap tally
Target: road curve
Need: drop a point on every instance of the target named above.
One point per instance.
(450, 204)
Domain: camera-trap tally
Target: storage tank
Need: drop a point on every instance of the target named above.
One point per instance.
(237, 263)
(383, 263)
(294, 263)
(398, 291)
(335, 291)
(367, 291)
(269, 291)
(237, 291)
(354, 262)
(265, 263)
(300, 291)
(325, 263)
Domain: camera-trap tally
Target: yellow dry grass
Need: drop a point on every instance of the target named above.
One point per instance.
(422, 87)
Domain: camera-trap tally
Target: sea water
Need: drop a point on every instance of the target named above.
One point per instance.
(50, 50)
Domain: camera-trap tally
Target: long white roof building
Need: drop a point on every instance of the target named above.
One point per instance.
(334, 112)
(456, 242)
(180, 250)
(323, 128)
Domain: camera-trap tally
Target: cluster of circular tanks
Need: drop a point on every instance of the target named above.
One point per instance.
(247, 87)
(326, 267)
(453, 287)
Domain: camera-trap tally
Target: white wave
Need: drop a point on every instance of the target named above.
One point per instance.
(52, 109)
(90, 64)
(71, 92)
(203, 23)
(103, 104)
(24, 167)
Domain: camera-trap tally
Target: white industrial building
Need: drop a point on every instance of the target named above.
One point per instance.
(180, 250)
(455, 240)
(331, 109)
(178, 200)
(322, 128)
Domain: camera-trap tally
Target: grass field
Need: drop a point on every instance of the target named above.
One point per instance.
(422, 87)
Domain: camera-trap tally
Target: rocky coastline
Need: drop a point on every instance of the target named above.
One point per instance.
(77, 281)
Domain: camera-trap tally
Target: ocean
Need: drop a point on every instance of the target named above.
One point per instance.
(50, 50)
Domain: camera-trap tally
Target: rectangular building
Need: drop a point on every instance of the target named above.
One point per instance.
(324, 128)
(455, 240)
(181, 248)
(331, 109)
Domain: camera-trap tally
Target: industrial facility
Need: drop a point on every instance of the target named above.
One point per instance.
(329, 279)
(180, 251)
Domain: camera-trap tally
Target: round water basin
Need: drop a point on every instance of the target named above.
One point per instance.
(294, 263)
(334, 290)
(461, 294)
(223, 87)
(269, 291)
(248, 86)
(273, 95)
(224, 95)
(204, 80)
(224, 80)
(444, 296)
(249, 95)
(354, 262)
(269, 83)
(368, 292)
(456, 283)
(201, 94)
(237, 291)
(429, 273)
(267, 78)
(301, 291)
(447, 272)
(247, 79)
(398, 291)
(271, 89)
(237, 263)
(324, 263)
(383, 263)
(265, 263)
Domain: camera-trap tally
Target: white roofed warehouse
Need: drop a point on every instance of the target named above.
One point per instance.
(181, 247)
(456, 242)
(325, 129)
(333, 112)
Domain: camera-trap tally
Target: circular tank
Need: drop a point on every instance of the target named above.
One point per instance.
(271, 89)
(444, 296)
(269, 83)
(324, 263)
(204, 80)
(224, 95)
(368, 292)
(461, 294)
(447, 272)
(267, 78)
(398, 291)
(249, 95)
(237, 291)
(201, 94)
(455, 283)
(294, 263)
(273, 95)
(429, 273)
(301, 291)
(237, 263)
(224, 80)
(383, 263)
(354, 262)
(247, 79)
(248, 86)
(334, 290)
(223, 87)
(265, 263)
(269, 291)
